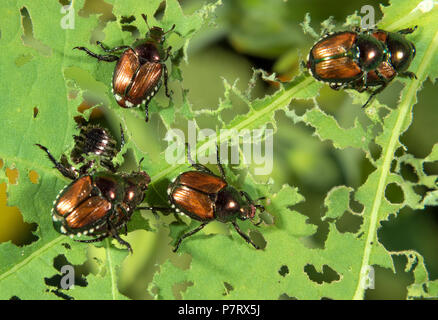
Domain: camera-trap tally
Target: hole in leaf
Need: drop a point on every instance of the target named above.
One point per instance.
(431, 168)
(228, 288)
(408, 172)
(421, 190)
(399, 152)
(12, 226)
(132, 29)
(104, 11)
(385, 284)
(375, 150)
(160, 11)
(356, 206)
(258, 238)
(393, 167)
(79, 272)
(12, 175)
(95, 113)
(28, 35)
(129, 19)
(394, 193)
(35, 112)
(327, 275)
(33, 176)
(179, 288)
(284, 270)
(14, 298)
(383, 112)
(349, 223)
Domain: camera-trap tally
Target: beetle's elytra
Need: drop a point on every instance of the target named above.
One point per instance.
(204, 196)
(361, 59)
(139, 68)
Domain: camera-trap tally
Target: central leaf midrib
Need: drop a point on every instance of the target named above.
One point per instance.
(404, 107)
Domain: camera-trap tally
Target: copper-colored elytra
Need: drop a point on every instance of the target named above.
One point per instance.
(197, 203)
(88, 212)
(75, 194)
(339, 68)
(145, 81)
(125, 71)
(333, 45)
(202, 181)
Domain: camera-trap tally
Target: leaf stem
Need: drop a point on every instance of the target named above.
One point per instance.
(403, 110)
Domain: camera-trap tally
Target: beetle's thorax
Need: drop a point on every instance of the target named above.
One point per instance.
(230, 205)
(148, 52)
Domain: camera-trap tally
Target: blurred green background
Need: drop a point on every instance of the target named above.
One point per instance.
(267, 34)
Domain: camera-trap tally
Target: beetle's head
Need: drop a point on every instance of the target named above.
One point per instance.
(157, 34)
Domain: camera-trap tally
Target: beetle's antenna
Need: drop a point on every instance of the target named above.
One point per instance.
(139, 164)
(171, 29)
(146, 20)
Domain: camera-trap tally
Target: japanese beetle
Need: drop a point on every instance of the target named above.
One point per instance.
(361, 59)
(137, 75)
(204, 196)
(96, 204)
(97, 141)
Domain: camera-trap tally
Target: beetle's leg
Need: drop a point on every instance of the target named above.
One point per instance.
(375, 92)
(107, 58)
(146, 112)
(243, 235)
(408, 74)
(123, 242)
(167, 53)
(197, 166)
(407, 30)
(116, 236)
(188, 234)
(62, 168)
(166, 78)
(107, 49)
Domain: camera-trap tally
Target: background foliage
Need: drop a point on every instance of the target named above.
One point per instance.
(350, 187)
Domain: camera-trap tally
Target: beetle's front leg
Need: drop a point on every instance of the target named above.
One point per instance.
(107, 58)
(63, 167)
